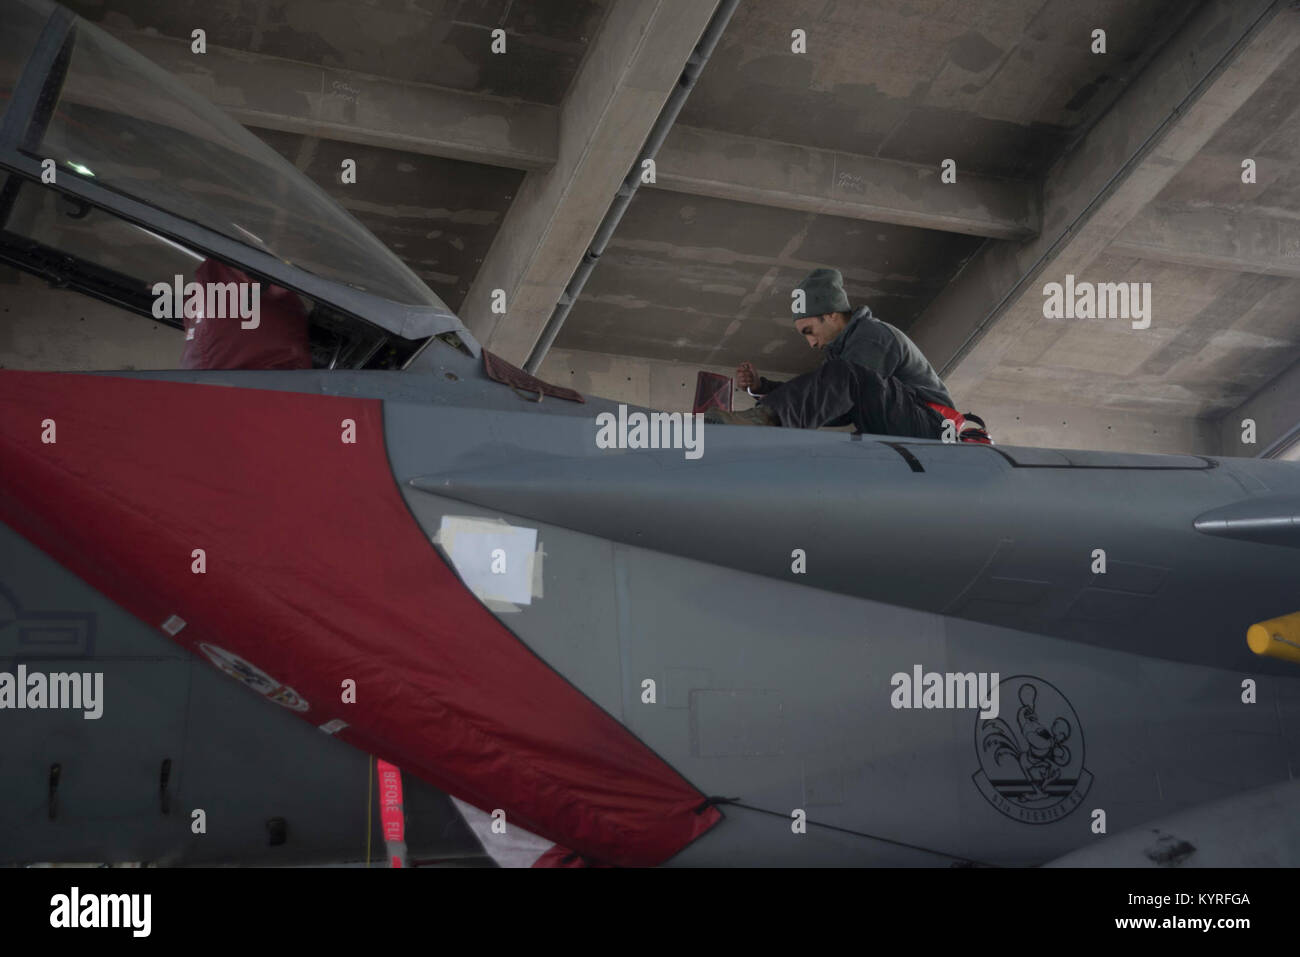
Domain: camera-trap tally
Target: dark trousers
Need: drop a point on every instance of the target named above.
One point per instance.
(844, 393)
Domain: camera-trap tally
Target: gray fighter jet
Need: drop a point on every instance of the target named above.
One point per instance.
(610, 637)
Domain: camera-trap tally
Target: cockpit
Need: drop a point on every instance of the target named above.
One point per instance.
(115, 179)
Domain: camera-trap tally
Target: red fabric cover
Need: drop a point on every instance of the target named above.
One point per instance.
(316, 572)
(558, 857)
(712, 391)
(498, 370)
(278, 342)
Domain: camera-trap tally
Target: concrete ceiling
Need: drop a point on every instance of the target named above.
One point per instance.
(485, 171)
(439, 42)
(1217, 338)
(1000, 86)
(1155, 194)
(701, 280)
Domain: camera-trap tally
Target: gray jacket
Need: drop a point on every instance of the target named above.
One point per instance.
(885, 350)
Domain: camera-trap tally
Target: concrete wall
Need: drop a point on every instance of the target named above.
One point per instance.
(55, 330)
(49, 329)
(1275, 409)
(671, 387)
(653, 383)
(1043, 425)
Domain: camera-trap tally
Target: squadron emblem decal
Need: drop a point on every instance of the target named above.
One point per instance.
(255, 678)
(1031, 768)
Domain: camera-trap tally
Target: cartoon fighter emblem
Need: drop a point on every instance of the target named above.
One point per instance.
(1032, 772)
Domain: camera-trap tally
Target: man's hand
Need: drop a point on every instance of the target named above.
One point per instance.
(747, 376)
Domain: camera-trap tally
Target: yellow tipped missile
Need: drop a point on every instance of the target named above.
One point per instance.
(1276, 638)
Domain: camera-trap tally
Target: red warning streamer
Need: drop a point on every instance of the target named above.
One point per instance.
(391, 816)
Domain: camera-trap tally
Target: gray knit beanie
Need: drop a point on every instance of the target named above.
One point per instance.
(823, 293)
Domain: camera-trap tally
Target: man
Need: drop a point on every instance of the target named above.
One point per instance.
(872, 377)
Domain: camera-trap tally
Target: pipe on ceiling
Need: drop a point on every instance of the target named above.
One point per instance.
(623, 198)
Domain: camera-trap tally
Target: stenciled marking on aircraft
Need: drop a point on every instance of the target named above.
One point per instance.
(60, 632)
(255, 678)
(1031, 767)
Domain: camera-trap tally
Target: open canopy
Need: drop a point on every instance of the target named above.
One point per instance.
(128, 139)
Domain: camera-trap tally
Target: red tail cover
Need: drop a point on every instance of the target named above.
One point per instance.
(316, 573)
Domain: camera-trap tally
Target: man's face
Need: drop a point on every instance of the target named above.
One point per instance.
(819, 331)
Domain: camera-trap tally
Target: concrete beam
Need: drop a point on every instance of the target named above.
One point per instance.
(270, 93)
(1275, 410)
(1191, 87)
(653, 383)
(274, 94)
(1214, 238)
(750, 170)
(621, 87)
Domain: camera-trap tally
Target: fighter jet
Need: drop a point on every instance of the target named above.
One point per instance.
(222, 592)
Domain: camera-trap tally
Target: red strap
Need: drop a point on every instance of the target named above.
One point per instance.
(952, 415)
(978, 435)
